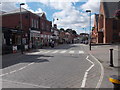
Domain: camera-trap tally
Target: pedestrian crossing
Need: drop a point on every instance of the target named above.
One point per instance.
(71, 52)
(57, 52)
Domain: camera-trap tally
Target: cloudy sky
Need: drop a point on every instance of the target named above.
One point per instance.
(70, 13)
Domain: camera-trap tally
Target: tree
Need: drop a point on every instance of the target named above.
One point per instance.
(69, 30)
(74, 32)
(62, 29)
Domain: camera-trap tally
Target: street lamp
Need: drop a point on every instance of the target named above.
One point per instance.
(89, 11)
(21, 27)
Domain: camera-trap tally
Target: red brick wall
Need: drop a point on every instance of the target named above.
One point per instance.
(48, 25)
(42, 24)
(13, 21)
(35, 18)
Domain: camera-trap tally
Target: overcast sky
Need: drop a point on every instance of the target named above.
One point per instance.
(70, 13)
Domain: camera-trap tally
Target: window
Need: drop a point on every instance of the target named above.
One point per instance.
(32, 23)
(42, 25)
(114, 25)
(37, 24)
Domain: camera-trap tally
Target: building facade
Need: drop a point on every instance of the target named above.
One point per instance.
(30, 32)
(106, 26)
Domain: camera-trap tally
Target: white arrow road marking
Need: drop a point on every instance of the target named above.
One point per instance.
(86, 73)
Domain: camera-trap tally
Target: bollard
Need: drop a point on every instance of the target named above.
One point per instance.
(111, 58)
(116, 81)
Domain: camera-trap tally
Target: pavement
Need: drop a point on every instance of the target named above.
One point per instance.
(100, 52)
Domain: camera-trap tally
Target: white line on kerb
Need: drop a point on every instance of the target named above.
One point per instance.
(86, 73)
(102, 73)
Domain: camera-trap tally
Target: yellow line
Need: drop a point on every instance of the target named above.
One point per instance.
(114, 80)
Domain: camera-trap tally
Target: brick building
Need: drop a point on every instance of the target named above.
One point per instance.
(56, 34)
(106, 26)
(45, 28)
(32, 27)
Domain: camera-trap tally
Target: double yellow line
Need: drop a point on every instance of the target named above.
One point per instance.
(116, 81)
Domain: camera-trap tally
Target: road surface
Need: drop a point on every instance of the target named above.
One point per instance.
(65, 66)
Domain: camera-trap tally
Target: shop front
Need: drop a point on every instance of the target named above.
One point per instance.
(34, 39)
(11, 40)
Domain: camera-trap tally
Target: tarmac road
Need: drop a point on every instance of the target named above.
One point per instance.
(65, 66)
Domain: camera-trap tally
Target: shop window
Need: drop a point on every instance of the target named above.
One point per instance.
(18, 40)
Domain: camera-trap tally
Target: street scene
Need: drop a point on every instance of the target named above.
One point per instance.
(60, 44)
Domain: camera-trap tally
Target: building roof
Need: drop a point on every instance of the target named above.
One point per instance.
(16, 11)
(2, 12)
(110, 8)
(40, 14)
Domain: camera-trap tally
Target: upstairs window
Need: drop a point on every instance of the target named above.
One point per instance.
(37, 24)
(32, 23)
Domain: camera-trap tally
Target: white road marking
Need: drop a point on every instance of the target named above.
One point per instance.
(63, 51)
(102, 73)
(81, 52)
(26, 84)
(47, 52)
(30, 63)
(86, 73)
(41, 51)
(3, 74)
(72, 52)
(35, 53)
(19, 69)
(55, 51)
(13, 71)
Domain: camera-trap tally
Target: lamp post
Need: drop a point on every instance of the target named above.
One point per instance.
(89, 30)
(21, 27)
(55, 32)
